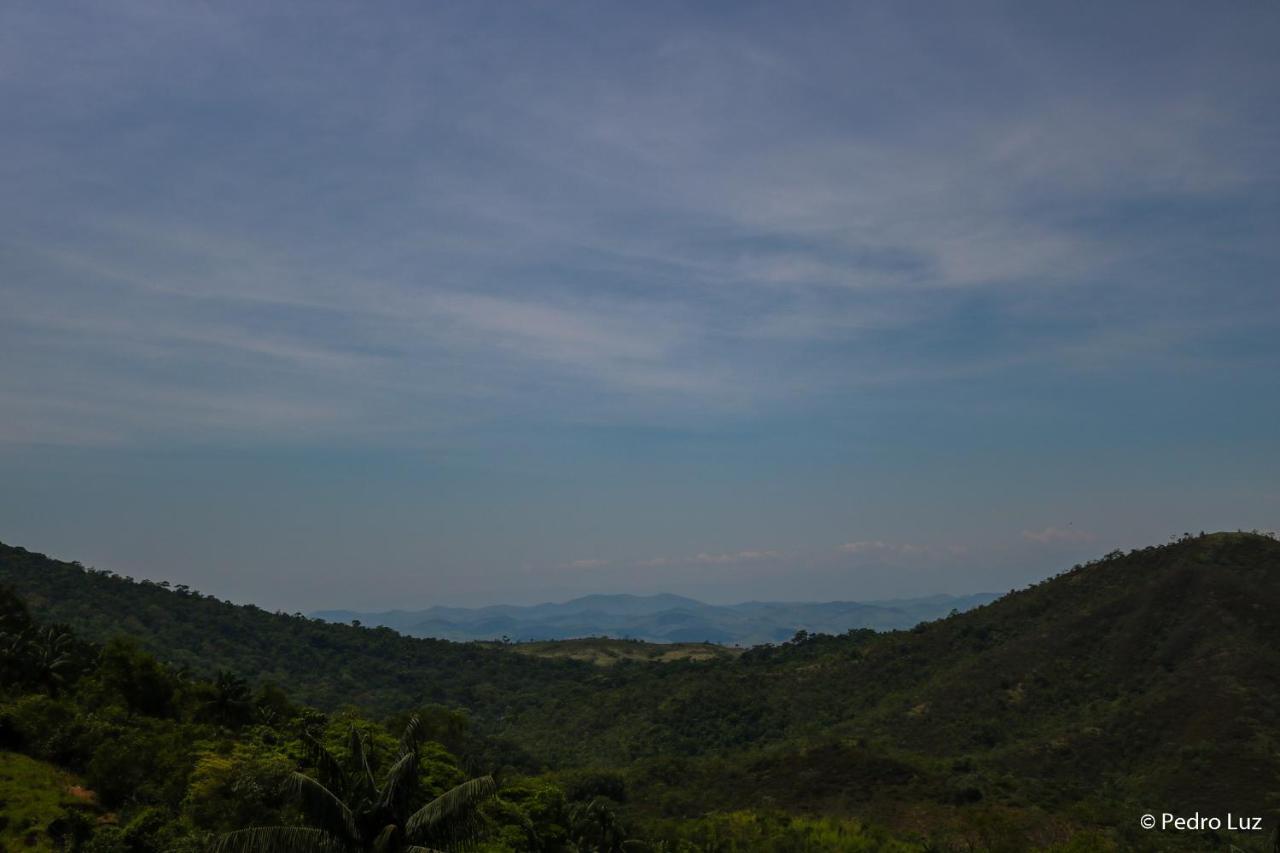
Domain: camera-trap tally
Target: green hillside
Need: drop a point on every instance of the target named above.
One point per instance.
(34, 795)
(325, 665)
(606, 651)
(1138, 682)
(1150, 677)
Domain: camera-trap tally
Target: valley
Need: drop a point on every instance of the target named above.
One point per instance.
(999, 721)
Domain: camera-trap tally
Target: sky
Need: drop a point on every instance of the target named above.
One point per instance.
(390, 305)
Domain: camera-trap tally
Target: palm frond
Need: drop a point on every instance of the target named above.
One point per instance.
(451, 817)
(330, 769)
(280, 839)
(386, 842)
(358, 747)
(323, 807)
(412, 734)
(400, 783)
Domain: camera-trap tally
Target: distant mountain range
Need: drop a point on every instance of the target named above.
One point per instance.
(661, 618)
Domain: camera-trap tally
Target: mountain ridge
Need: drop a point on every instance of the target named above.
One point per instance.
(660, 618)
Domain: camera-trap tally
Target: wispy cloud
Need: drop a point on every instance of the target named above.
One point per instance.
(586, 564)
(641, 244)
(705, 559)
(710, 559)
(875, 546)
(700, 278)
(1058, 535)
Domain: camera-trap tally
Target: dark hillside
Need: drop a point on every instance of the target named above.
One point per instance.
(323, 664)
(1161, 664)
(1142, 680)
(1150, 676)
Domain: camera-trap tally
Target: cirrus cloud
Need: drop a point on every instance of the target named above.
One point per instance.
(1058, 535)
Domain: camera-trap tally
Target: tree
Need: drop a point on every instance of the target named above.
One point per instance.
(52, 656)
(134, 679)
(594, 828)
(15, 624)
(349, 812)
(14, 618)
(43, 657)
(231, 702)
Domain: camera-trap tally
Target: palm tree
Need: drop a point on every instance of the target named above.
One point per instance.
(350, 812)
(52, 656)
(13, 657)
(231, 703)
(41, 656)
(594, 828)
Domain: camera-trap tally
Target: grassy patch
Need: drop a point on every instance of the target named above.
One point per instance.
(32, 795)
(603, 651)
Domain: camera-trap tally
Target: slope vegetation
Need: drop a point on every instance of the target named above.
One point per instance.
(34, 795)
(1142, 681)
(1148, 677)
(322, 664)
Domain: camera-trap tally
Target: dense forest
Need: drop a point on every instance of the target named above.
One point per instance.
(141, 718)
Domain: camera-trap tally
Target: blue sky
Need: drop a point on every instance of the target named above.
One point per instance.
(398, 304)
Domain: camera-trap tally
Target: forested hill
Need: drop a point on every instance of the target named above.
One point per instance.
(1148, 676)
(324, 665)
(1151, 677)
(1143, 680)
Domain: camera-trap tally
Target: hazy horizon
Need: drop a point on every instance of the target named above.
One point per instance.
(719, 594)
(320, 306)
(652, 595)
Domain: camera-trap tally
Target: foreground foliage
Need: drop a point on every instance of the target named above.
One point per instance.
(350, 811)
